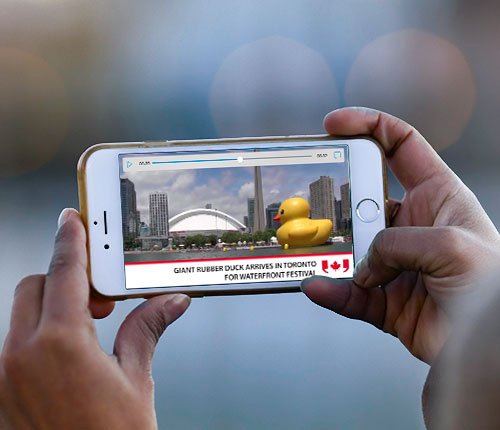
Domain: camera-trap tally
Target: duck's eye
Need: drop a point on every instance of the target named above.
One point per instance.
(282, 211)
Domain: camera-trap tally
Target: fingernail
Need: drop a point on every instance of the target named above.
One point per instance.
(362, 109)
(303, 284)
(361, 272)
(63, 217)
(307, 281)
(180, 299)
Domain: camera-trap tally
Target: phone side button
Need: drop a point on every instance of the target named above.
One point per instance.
(367, 210)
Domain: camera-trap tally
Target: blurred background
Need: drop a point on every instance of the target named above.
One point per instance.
(74, 73)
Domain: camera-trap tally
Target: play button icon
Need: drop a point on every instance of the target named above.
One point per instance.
(129, 164)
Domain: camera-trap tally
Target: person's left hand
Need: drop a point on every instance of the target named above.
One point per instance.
(54, 374)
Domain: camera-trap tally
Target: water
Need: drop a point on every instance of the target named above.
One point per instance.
(207, 254)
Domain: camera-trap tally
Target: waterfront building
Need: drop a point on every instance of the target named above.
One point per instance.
(338, 214)
(203, 221)
(322, 200)
(271, 212)
(158, 214)
(130, 215)
(345, 197)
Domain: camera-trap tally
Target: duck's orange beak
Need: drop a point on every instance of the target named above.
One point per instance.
(277, 217)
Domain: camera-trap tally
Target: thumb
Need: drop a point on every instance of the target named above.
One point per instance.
(438, 252)
(139, 333)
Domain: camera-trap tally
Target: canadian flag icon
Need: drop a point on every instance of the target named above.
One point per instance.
(335, 266)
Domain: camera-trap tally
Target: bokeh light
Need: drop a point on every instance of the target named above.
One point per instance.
(34, 111)
(419, 77)
(273, 86)
(131, 72)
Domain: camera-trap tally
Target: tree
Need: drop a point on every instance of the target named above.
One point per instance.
(230, 237)
(259, 236)
(131, 243)
(270, 232)
(197, 239)
(246, 237)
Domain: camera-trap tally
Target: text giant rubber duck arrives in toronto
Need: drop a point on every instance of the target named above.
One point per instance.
(297, 230)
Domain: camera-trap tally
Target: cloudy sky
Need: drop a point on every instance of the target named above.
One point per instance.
(228, 189)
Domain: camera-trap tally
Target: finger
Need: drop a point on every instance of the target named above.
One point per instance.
(66, 291)
(434, 251)
(347, 299)
(100, 308)
(26, 308)
(409, 155)
(139, 333)
(393, 206)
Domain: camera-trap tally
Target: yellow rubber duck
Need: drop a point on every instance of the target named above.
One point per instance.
(297, 230)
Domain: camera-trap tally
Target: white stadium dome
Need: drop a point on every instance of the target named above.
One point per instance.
(203, 221)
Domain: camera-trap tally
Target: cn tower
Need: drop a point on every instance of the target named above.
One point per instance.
(259, 219)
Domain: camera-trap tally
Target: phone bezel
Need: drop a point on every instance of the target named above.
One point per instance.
(99, 191)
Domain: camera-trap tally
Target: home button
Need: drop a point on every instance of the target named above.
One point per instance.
(367, 210)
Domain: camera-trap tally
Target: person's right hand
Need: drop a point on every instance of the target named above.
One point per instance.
(439, 239)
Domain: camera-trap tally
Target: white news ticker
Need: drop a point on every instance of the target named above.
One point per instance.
(237, 270)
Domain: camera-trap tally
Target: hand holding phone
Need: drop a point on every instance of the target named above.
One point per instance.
(440, 240)
(250, 215)
(54, 373)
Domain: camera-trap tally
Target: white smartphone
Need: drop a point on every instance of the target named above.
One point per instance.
(233, 216)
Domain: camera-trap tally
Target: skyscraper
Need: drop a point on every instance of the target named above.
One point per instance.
(130, 221)
(322, 200)
(251, 213)
(259, 221)
(158, 214)
(271, 212)
(138, 223)
(345, 198)
(338, 214)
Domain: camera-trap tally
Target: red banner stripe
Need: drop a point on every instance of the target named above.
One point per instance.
(236, 258)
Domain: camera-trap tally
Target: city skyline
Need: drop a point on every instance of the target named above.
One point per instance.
(228, 190)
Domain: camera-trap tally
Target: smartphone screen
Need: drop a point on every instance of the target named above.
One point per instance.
(223, 217)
